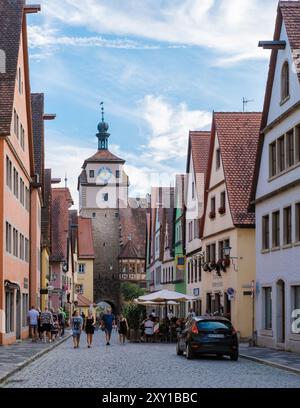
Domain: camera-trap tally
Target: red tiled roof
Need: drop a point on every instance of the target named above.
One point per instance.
(103, 156)
(83, 301)
(199, 146)
(85, 238)
(11, 17)
(133, 225)
(129, 251)
(238, 135)
(37, 111)
(61, 202)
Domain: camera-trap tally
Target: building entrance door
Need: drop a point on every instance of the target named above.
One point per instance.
(280, 312)
(18, 315)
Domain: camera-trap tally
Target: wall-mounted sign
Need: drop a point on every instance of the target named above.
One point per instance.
(180, 262)
(196, 292)
(44, 291)
(230, 291)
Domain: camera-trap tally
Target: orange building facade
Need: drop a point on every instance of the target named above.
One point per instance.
(18, 205)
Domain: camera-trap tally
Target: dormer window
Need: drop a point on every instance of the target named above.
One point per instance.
(92, 173)
(285, 82)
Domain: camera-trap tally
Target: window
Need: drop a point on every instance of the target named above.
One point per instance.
(92, 173)
(196, 229)
(15, 243)
(223, 201)
(290, 148)
(8, 238)
(117, 174)
(199, 271)
(94, 215)
(297, 214)
(22, 137)
(22, 192)
(297, 144)
(218, 159)
(223, 244)
(189, 272)
(267, 292)
(276, 229)
(213, 204)
(281, 154)
(192, 272)
(273, 169)
(16, 183)
(285, 82)
(15, 122)
(193, 190)
(287, 225)
(190, 231)
(8, 172)
(81, 268)
(25, 308)
(9, 311)
(265, 233)
(27, 199)
(296, 297)
(105, 197)
(79, 289)
(22, 243)
(17, 126)
(213, 253)
(26, 250)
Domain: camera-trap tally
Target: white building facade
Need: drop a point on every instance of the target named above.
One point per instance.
(278, 194)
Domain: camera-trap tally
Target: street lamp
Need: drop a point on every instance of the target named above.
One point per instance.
(227, 251)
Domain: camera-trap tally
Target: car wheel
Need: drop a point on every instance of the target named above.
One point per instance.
(179, 352)
(189, 353)
(234, 356)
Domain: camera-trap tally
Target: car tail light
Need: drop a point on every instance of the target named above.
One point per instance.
(195, 329)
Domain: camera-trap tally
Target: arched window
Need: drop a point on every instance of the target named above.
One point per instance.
(285, 82)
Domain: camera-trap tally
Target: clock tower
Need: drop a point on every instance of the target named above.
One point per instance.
(103, 190)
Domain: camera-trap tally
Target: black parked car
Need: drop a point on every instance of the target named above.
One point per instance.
(208, 335)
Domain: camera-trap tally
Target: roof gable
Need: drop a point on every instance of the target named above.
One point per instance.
(238, 135)
(103, 156)
(11, 19)
(288, 21)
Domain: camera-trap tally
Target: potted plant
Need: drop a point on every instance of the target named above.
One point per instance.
(212, 215)
(222, 210)
(226, 262)
(206, 267)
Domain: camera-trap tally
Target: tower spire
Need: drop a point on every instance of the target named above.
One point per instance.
(103, 135)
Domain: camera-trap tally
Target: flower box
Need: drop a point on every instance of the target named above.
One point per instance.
(222, 210)
(212, 215)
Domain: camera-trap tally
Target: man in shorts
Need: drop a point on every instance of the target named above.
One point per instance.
(108, 321)
(46, 323)
(32, 318)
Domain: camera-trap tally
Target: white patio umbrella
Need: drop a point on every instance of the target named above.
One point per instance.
(165, 296)
(152, 303)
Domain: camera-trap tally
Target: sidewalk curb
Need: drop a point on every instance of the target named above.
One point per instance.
(270, 363)
(33, 358)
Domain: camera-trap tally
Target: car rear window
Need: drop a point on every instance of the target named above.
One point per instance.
(210, 325)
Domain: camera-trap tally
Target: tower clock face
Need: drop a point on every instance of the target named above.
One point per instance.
(104, 174)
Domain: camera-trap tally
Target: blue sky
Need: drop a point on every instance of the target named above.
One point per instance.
(160, 66)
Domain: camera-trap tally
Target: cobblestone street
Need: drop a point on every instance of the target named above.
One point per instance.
(140, 366)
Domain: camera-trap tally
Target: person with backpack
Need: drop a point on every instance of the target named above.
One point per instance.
(62, 321)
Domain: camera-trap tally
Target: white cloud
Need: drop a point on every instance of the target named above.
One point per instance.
(232, 27)
(169, 126)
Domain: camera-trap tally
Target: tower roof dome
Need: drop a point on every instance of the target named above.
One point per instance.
(103, 127)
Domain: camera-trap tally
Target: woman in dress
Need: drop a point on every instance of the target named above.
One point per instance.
(123, 328)
(90, 328)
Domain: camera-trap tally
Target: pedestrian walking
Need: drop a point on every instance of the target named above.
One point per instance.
(62, 321)
(76, 326)
(32, 319)
(122, 328)
(107, 322)
(89, 328)
(46, 323)
(40, 327)
(55, 326)
(149, 329)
